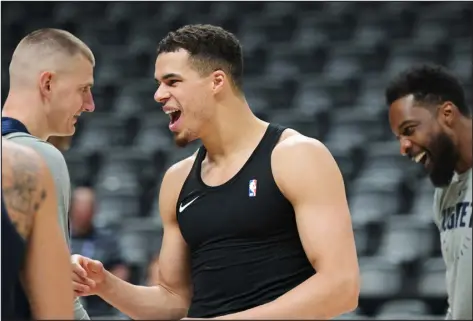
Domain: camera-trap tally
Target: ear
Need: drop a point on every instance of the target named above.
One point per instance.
(45, 83)
(218, 81)
(447, 113)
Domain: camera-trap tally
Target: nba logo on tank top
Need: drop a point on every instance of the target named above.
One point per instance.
(252, 188)
(244, 245)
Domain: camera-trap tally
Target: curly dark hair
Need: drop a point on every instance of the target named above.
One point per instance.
(210, 47)
(430, 85)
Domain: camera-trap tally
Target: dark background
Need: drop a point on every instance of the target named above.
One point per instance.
(319, 67)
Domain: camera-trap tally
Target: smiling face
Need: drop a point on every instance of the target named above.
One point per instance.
(186, 95)
(199, 66)
(68, 94)
(424, 137)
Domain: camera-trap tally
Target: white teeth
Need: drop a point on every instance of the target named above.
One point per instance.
(419, 157)
(167, 112)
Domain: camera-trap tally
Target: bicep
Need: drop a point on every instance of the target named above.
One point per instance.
(47, 270)
(174, 267)
(326, 234)
(174, 273)
(324, 221)
(316, 190)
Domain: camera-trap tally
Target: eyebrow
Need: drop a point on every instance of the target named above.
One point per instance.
(87, 84)
(168, 76)
(407, 122)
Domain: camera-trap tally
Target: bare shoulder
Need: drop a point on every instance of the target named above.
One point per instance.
(298, 161)
(178, 172)
(23, 190)
(292, 141)
(172, 184)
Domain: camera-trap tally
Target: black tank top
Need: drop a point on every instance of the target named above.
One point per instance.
(242, 235)
(15, 305)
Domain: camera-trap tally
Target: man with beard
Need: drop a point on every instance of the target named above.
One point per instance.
(429, 116)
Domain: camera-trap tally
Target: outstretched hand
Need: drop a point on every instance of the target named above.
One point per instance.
(87, 275)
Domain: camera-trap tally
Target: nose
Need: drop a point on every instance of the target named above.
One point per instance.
(89, 107)
(161, 95)
(89, 104)
(406, 145)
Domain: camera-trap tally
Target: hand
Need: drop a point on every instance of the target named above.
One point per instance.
(87, 275)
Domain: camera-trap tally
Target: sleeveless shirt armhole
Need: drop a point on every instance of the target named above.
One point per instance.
(192, 172)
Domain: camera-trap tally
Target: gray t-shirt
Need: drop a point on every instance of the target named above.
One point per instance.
(58, 167)
(452, 210)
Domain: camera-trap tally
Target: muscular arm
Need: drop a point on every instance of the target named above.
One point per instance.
(58, 167)
(314, 186)
(170, 298)
(30, 197)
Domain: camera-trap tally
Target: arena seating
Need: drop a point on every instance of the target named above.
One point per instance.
(319, 67)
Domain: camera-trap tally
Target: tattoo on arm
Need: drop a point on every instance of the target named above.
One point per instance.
(22, 188)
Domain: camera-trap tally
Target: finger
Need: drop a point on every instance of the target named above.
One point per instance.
(76, 278)
(95, 266)
(77, 259)
(78, 293)
(78, 287)
(89, 282)
(78, 269)
(84, 281)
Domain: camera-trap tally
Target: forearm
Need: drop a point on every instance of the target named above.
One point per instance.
(142, 302)
(320, 297)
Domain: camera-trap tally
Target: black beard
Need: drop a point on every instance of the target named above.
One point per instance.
(444, 157)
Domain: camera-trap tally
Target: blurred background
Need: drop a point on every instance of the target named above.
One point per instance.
(319, 67)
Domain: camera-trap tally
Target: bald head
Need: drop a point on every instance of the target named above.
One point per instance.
(46, 50)
(82, 210)
(84, 194)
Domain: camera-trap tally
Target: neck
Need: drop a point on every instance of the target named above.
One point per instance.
(231, 127)
(22, 106)
(464, 146)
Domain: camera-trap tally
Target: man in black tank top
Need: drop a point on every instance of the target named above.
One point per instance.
(256, 222)
(35, 258)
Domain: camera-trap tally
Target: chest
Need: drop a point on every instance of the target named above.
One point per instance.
(218, 175)
(248, 208)
(455, 222)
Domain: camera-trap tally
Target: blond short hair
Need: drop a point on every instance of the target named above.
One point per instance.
(44, 49)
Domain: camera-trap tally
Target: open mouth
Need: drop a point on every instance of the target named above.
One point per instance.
(174, 115)
(422, 158)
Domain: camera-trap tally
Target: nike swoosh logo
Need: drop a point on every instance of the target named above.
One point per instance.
(183, 207)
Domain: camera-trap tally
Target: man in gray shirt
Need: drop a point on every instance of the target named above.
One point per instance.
(51, 75)
(433, 123)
